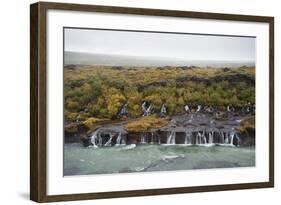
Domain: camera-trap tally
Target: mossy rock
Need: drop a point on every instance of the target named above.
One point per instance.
(146, 123)
(92, 122)
(247, 125)
(71, 128)
(70, 116)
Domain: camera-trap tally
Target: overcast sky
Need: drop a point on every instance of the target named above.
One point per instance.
(178, 46)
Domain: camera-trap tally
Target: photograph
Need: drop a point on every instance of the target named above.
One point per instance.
(155, 101)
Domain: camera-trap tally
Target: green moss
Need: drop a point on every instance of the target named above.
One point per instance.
(92, 122)
(103, 90)
(247, 125)
(145, 123)
(70, 116)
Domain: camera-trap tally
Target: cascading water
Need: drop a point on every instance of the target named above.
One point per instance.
(163, 109)
(186, 107)
(187, 139)
(143, 139)
(172, 138)
(211, 138)
(124, 110)
(152, 138)
(99, 140)
(108, 143)
(124, 140)
(231, 136)
(94, 138)
(238, 140)
(146, 111)
(226, 138)
(198, 138)
(204, 139)
(222, 137)
(195, 134)
(119, 139)
(159, 140)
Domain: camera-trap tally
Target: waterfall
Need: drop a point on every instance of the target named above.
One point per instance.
(187, 139)
(232, 135)
(163, 109)
(124, 140)
(152, 138)
(186, 108)
(94, 137)
(222, 137)
(124, 110)
(172, 138)
(228, 108)
(119, 139)
(159, 139)
(204, 139)
(100, 140)
(198, 138)
(108, 143)
(143, 139)
(226, 138)
(147, 111)
(211, 137)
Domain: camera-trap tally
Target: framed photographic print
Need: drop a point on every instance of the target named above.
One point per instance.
(134, 102)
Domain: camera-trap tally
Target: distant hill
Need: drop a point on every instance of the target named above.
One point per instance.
(77, 58)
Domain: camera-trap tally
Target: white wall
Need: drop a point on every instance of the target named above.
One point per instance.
(14, 89)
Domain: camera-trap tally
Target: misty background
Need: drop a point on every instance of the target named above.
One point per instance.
(129, 48)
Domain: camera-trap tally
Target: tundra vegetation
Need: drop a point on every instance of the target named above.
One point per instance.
(96, 94)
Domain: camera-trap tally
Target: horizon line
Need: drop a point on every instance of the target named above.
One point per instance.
(170, 58)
